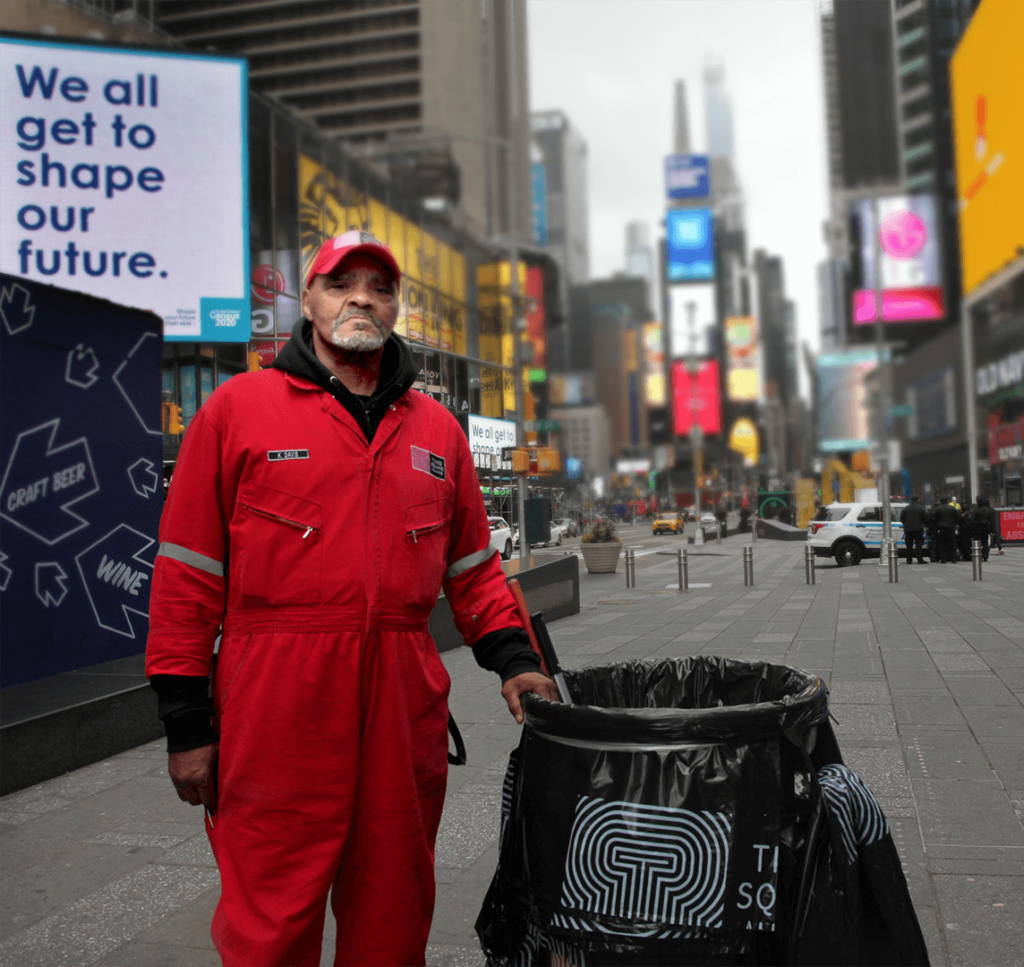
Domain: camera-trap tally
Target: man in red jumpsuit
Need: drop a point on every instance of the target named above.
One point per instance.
(317, 510)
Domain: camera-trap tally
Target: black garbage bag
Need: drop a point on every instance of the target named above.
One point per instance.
(680, 813)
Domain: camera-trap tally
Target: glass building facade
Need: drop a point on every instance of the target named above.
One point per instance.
(455, 312)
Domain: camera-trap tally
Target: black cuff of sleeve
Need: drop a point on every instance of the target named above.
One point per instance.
(507, 652)
(190, 729)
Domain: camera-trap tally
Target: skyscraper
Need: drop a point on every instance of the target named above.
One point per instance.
(398, 77)
(718, 112)
(563, 152)
(640, 260)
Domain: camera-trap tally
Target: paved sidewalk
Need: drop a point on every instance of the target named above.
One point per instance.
(104, 866)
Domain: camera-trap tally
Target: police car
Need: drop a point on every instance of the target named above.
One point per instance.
(851, 532)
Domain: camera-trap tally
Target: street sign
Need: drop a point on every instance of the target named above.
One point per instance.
(506, 454)
(540, 426)
(902, 409)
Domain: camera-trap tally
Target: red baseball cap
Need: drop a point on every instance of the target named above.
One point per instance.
(351, 243)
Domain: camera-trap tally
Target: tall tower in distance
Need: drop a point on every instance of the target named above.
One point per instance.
(681, 125)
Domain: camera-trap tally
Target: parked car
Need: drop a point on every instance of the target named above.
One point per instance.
(851, 532)
(569, 526)
(501, 536)
(557, 533)
(667, 522)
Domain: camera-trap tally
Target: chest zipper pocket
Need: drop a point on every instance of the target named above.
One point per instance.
(307, 529)
(426, 529)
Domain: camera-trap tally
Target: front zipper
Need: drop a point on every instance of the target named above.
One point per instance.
(308, 528)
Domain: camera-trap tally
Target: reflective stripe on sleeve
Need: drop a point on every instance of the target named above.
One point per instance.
(193, 558)
(470, 560)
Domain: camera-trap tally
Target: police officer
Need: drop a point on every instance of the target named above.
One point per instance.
(947, 517)
(913, 517)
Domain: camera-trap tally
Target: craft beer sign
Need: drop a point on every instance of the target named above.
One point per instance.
(124, 174)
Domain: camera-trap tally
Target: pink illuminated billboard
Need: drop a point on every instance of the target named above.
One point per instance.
(696, 397)
(900, 237)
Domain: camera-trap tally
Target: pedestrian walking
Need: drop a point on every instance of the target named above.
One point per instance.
(320, 506)
(985, 526)
(913, 517)
(947, 518)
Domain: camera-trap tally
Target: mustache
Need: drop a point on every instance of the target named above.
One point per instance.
(358, 314)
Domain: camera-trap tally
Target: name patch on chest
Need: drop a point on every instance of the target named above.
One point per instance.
(427, 462)
(273, 455)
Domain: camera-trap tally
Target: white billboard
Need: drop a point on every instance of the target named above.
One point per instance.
(487, 438)
(693, 316)
(124, 174)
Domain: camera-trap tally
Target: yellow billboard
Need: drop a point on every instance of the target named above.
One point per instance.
(743, 352)
(433, 309)
(988, 105)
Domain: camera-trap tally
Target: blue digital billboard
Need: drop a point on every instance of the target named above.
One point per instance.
(539, 202)
(690, 244)
(686, 176)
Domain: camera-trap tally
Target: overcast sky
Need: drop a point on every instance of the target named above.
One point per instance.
(611, 66)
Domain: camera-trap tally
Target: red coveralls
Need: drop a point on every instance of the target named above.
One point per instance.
(331, 697)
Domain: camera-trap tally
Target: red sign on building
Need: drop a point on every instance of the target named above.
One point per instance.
(1011, 525)
(696, 397)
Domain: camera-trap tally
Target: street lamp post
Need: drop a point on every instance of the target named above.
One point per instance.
(882, 396)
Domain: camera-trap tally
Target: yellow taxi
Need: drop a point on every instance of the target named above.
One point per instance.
(667, 522)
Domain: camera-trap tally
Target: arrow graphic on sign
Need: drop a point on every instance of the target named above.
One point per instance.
(16, 308)
(116, 578)
(143, 477)
(133, 378)
(81, 368)
(50, 587)
(42, 482)
(5, 572)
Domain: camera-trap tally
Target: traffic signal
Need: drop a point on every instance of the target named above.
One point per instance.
(254, 362)
(174, 424)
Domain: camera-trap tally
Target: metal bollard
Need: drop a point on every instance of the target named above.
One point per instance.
(976, 553)
(753, 529)
(718, 532)
(894, 562)
(748, 567)
(684, 569)
(809, 564)
(630, 568)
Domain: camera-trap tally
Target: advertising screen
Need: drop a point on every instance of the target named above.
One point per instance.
(743, 357)
(907, 227)
(539, 202)
(686, 176)
(654, 364)
(536, 324)
(124, 174)
(690, 244)
(843, 417)
(693, 316)
(571, 389)
(696, 397)
(988, 103)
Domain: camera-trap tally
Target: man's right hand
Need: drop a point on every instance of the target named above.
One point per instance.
(194, 774)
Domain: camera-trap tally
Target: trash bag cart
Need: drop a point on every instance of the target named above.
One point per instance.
(692, 811)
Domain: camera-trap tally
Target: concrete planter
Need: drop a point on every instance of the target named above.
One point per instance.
(601, 558)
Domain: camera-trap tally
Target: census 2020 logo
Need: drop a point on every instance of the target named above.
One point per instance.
(225, 317)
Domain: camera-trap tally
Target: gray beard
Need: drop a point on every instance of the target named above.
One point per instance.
(359, 342)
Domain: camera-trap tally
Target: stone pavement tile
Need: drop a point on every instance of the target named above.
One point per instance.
(44, 888)
(160, 955)
(141, 833)
(946, 663)
(861, 720)
(881, 767)
(453, 921)
(87, 930)
(194, 852)
(860, 693)
(945, 755)
(187, 927)
(980, 690)
(956, 812)
(915, 708)
(1007, 758)
(916, 679)
(1011, 676)
(855, 666)
(976, 860)
(453, 955)
(997, 721)
(982, 917)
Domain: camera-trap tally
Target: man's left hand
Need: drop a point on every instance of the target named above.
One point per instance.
(527, 682)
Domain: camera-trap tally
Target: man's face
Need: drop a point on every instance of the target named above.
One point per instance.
(355, 307)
